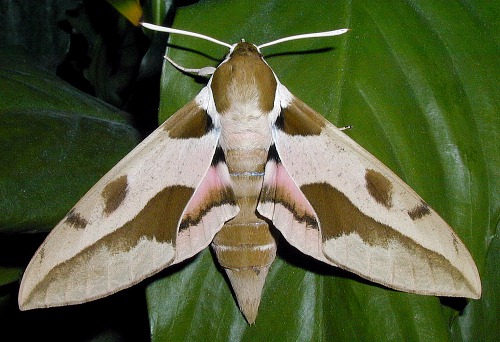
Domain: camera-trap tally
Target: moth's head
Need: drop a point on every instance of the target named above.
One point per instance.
(244, 49)
(244, 81)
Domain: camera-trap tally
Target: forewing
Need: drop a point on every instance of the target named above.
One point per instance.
(160, 204)
(333, 200)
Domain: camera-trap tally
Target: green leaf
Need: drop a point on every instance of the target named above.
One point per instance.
(9, 275)
(418, 83)
(416, 79)
(36, 28)
(58, 141)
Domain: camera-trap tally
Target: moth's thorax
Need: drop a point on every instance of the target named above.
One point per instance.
(244, 89)
(244, 81)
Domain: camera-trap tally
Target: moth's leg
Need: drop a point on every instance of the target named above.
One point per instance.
(344, 128)
(206, 71)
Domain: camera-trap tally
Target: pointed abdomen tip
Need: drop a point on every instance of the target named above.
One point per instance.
(247, 286)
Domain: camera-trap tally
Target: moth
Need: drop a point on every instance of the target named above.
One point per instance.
(245, 156)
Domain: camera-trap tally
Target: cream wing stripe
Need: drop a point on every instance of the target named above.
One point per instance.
(330, 157)
(158, 163)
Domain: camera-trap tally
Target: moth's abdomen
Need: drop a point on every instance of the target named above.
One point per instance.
(244, 246)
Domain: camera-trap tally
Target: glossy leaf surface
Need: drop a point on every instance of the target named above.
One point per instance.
(417, 81)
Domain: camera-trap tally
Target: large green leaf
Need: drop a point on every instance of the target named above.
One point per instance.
(417, 80)
(58, 142)
(36, 29)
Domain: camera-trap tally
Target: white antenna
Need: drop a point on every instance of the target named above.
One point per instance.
(274, 42)
(185, 33)
(304, 36)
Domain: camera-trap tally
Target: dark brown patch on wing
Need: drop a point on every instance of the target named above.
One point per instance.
(299, 119)
(338, 216)
(75, 220)
(212, 200)
(157, 221)
(191, 121)
(243, 76)
(114, 193)
(419, 211)
(281, 196)
(219, 156)
(379, 187)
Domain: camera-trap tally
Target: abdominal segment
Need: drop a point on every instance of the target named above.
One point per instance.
(245, 247)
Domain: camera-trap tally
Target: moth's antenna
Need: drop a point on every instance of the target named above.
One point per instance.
(303, 36)
(185, 33)
(216, 41)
